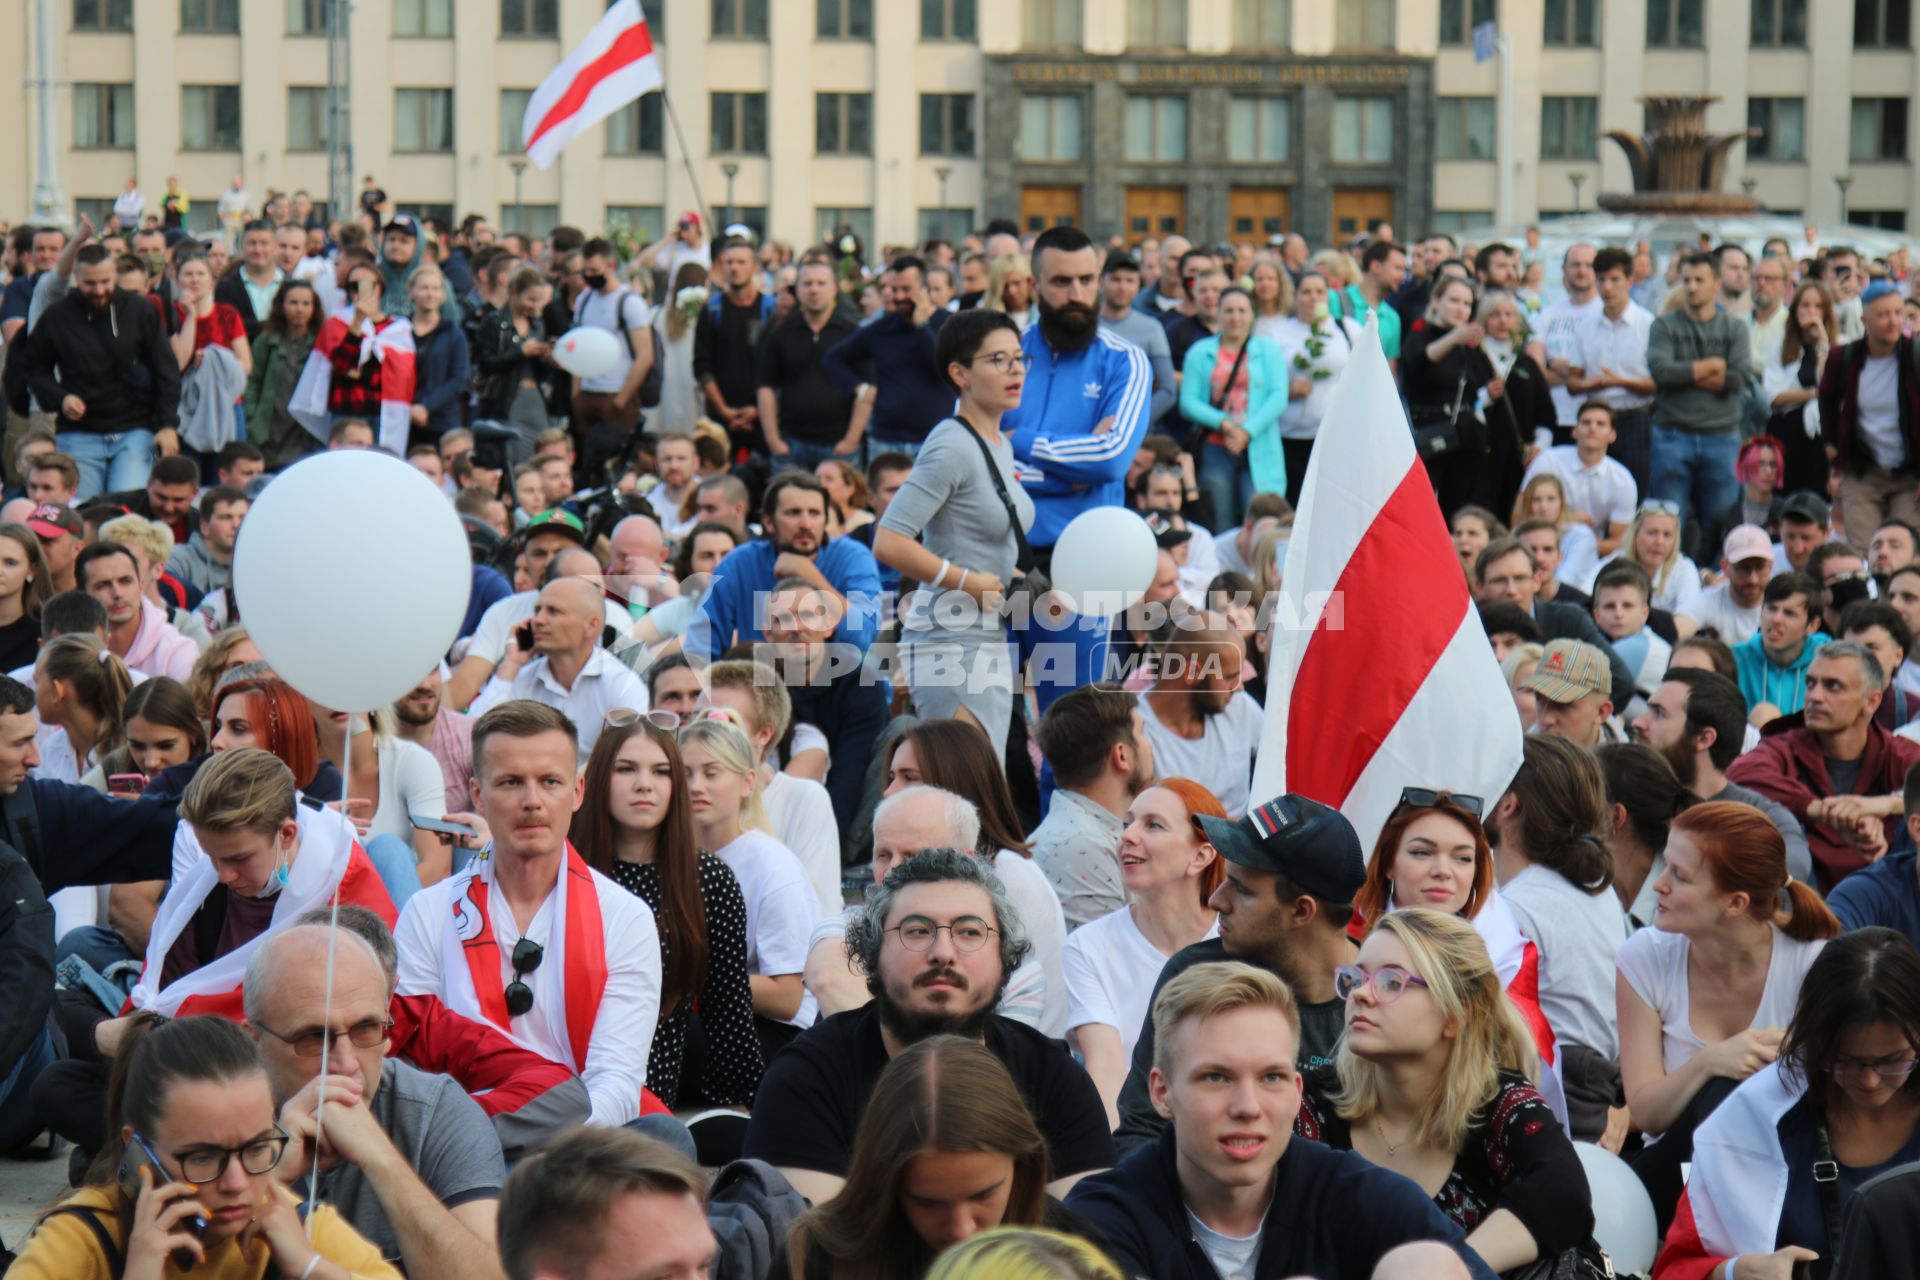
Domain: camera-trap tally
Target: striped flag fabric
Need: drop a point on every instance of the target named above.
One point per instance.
(1381, 676)
(391, 345)
(613, 66)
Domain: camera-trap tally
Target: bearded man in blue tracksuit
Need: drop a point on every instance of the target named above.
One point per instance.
(1082, 415)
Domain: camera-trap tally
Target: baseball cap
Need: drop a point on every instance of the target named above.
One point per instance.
(403, 222)
(689, 219)
(1310, 844)
(1747, 542)
(51, 519)
(558, 520)
(1165, 532)
(1804, 508)
(740, 230)
(1569, 670)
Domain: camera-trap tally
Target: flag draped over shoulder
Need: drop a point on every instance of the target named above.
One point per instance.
(392, 346)
(614, 65)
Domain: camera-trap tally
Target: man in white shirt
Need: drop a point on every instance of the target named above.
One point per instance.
(1768, 325)
(1732, 607)
(1094, 737)
(506, 939)
(1612, 364)
(1600, 490)
(1561, 324)
(678, 466)
(566, 668)
(1198, 722)
(608, 304)
(1867, 414)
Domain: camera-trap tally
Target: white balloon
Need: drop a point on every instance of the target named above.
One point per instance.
(352, 575)
(587, 352)
(1623, 1221)
(1104, 561)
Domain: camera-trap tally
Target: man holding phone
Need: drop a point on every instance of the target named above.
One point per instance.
(557, 660)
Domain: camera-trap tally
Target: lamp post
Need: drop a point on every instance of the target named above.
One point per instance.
(731, 170)
(1843, 181)
(943, 172)
(519, 166)
(1578, 180)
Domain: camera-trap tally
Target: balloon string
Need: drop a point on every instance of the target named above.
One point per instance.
(326, 1003)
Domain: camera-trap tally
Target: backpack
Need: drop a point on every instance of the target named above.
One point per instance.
(656, 372)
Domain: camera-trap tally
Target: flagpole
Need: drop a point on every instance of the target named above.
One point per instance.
(686, 158)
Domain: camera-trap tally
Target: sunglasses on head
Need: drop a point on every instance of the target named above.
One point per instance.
(621, 717)
(1427, 798)
(1660, 507)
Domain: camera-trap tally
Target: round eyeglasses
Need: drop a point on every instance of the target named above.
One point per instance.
(969, 933)
(1389, 982)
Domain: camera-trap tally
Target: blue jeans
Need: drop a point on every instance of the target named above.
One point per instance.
(109, 462)
(909, 447)
(18, 1120)
(1227, 480)
(1694, 469)
(806, 456)
(98, 945)
(399, 870)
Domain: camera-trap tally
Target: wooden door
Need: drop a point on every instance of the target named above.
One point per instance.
(1355, 209)
(1043, 207)
(1156, 211)
(1254, 213)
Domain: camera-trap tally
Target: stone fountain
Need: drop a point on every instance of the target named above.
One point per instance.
(1677, 166)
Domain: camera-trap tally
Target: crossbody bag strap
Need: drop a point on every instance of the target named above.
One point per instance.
(1239, 359)
(1023, 554)
(1826, 1182)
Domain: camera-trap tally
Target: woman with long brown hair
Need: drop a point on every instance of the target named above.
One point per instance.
(26, 584)
(956, 756)
(947, 1149)
(1790, 381)
(635, 826)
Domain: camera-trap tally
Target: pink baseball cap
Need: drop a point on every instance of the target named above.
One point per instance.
(1747, 542)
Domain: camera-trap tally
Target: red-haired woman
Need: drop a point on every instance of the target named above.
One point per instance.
(1170, 871)
(1705, 995)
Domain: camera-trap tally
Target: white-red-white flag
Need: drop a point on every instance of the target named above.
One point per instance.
(614, 65)
(1381, 677)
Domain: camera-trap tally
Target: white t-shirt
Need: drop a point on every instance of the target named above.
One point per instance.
(1562, 323)
(1878, 404)
(1654, 963)
(1220, 760)
(1234, 1257)
(781, 905)
(1038, 907)
(677, 254)
(411, 784)
(616, 312)
(1578, 934)
(1716, 608)
(802, 814)
(1111, 968)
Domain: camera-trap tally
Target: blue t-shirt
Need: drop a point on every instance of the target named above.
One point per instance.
(1885, 893)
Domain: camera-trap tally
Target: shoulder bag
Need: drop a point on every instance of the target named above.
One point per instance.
(1029, 582)
(1436, 428)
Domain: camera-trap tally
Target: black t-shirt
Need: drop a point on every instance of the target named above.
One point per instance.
(813, 1095)
(19, 643)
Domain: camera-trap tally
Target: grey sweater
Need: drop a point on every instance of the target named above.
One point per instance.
(1674, 343)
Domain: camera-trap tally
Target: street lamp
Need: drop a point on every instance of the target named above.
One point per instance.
(731, 170)
(943, 172)
(519, 166)
(1843, 181)
(1578, 180)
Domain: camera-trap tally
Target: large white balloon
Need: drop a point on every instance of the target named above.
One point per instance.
(1623, 1221)
(587, 352)
(352, 575)
(1104, 561)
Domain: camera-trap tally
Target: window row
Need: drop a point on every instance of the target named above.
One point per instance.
(434, 18)
(1682, 24)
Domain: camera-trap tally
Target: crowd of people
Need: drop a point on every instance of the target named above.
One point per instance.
(776, 880)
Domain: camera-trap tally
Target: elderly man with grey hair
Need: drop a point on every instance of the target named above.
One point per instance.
(406, 1157)
(937, 942)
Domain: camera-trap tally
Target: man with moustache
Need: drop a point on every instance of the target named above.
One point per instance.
(422, 717)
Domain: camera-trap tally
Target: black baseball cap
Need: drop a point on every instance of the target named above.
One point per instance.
(1805, 508)
(403, 223)
(1312, 845)
(1119, 260)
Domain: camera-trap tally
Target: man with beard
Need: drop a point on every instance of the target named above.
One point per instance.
(937, 941)
(899, 392)
(1698, 721)
(1197, 720)
(796, 546)
(1894, 546)
(100, 360)
(422, 718)
(1293, 867)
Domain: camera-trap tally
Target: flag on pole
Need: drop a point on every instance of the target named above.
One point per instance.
(1381, 676)
(1486, 38)
(613, 66)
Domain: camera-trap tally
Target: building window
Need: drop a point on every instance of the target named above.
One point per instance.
(751, 216)
(655, 12)
(1571, 23)
(1259, 129)
(427, 17)
(1156, 127)
(103, 15)
(1779, 24)
(644, 223)
(946, 124)
(1262, 24)
(513, 119)
(1879, 129)
(1676, 24)
(1458, 18)
(834, 223)
(535, 221)
(1364, 24)
(947, 20)
(1463, 129)
(102, 116)
(219, 17)
(843, 124)
(306, 118)
(306, 17)
(1157, 24)
(842, 20)
(635, 129)
(1882, 24)
(945, 224)
(1045, 24)
(1363, 130)
(1454, 221)
(210, 117)
(1783, 128)
(537, 18)
(1051, 126)
(1569, 128)
(739, 123)
(740, 19)
(95, 209)
(1883, 219)
(423, 120)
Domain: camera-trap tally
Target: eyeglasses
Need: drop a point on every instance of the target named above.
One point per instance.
(1660, 507)
(1003, 361)
(307, 1043)
(205, 1164)
(621, 717)
(969, 933)
(527, 956)
(1389, 983)
(1854, 1070)
(1423, 798)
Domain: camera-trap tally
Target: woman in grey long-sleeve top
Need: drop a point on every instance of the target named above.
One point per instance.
(959, 663)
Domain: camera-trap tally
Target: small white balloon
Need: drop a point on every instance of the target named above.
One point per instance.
(1623, 1220)
(587, 352)
(1104, 561)
(352, 576)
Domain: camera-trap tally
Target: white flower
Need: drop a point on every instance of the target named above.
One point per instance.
(1320, 312)
(691, 298)
(848, 244)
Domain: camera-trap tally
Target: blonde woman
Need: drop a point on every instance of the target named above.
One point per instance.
(1545, 498)
(1010, 289)
(1653, 543)
(1024, 1253)
(1272, 291)
(1433, 1082)
(679, 406)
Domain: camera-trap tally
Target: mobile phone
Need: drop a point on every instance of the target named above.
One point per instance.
(126, 783)
(523, 636)
(442, 828)
(137, 1154)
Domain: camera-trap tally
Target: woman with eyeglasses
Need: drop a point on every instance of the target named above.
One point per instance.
(1433, 1081)
(958, 527)
(186, 1189)
(635, 826)
(1776, 1164)
(1704, 995)
(1653, 543)
(730, 822)
(1233, 389)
